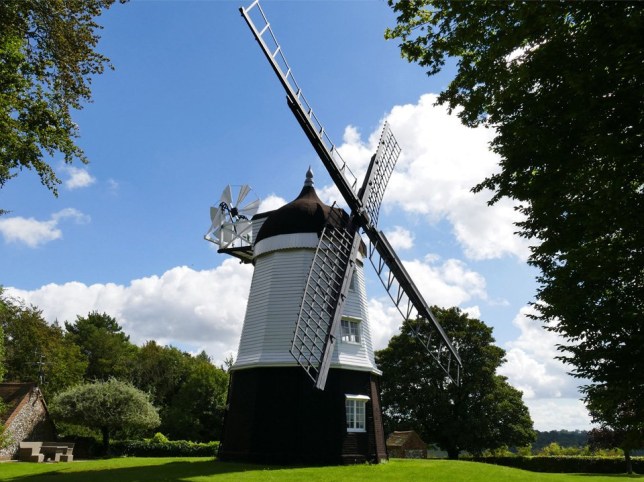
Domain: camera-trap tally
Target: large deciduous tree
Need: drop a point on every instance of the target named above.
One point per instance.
(47, 60)
(107, 406)
(196, 411)
(107, 348)
(483, 412)
(189, 391)
(561, 84)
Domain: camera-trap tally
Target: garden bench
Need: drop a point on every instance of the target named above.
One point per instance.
(30, 452)
(58, 451)
(41, 451)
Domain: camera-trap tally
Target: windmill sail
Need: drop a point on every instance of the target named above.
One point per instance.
(324, 296)
(365, 207)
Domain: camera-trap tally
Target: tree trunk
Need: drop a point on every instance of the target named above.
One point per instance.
(106, 439)
(629, 463)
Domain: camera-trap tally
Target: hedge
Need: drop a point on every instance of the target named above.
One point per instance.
(567, 464)
(174, 448)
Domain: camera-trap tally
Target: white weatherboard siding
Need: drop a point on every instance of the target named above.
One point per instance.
(274, 303)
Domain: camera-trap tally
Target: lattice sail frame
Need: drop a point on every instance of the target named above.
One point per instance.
(379, 173)
(325, 292)
(365, 208)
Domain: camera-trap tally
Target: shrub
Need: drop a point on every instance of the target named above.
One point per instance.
(567, 464)
(170, 448)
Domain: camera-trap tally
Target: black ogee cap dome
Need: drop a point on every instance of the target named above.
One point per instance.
(305, 214)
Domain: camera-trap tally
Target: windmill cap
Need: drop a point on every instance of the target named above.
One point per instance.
(305, 214)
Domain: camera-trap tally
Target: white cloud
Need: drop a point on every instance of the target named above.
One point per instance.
(198, 309)
(531, 365)
(400, 238)
(559, 414)
(271, 202)
(78, 177)
(441, 161)
(446, 284)
(33, 232)
(113, 186)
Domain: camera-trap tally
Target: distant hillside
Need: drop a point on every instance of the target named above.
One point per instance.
(565, 438)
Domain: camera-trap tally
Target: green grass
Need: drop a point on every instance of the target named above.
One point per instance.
(193, 469)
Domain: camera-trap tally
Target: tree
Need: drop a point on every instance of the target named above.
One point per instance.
(483, 412)
(160, 371)
(47, 60)
(196, 411)
(37, 351)
(621, 419)
(107, 348)
(4, 309)
(560, 82)
(107, 406)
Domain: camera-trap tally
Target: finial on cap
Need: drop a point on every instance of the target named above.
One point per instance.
(309, 178)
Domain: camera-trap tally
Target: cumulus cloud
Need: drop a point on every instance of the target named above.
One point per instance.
(271, 202)
(78, 177)
(531, 364)
(195, 310)
(400, 238)
(441, 161)
(443, 283)
(559, 414)
(34, 233)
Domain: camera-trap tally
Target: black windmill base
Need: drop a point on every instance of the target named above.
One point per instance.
(277, 416)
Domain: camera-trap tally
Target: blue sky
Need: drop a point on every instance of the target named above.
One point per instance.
(192, 106)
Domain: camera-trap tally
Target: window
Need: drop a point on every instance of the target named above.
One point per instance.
(351, 331)
(356, 412)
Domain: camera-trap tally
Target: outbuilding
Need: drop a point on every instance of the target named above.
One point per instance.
(25, 418)
(406, 445)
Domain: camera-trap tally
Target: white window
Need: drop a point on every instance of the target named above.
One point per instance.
(351, 331)
(356, 412)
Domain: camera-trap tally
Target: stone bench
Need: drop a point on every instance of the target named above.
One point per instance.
(41, 451)
(30, 452)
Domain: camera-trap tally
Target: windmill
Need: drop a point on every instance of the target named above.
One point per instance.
(296, 394)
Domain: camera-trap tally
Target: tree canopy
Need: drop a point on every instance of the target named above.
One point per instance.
(560, 82)
(36, 351)
(106, 405)
(47, 60)
(483, 412)
(107, 348)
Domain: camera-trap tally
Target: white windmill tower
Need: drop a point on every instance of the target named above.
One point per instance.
(304, 387)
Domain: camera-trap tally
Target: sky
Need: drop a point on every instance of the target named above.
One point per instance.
(192, 106)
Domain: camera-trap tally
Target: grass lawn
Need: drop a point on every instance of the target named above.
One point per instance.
(193, 469)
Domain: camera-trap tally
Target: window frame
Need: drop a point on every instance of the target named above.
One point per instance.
(355, 407)
(350, 337)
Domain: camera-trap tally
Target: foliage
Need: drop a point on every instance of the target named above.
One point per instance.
(561, 84)
(4, 309)
(626, 440)
(189, 391)
(169, 448)
(158, 437)
(484, 412)
(47, 60)
(160, 371)
(37, 351)
(565, 438)
(108, 350)
(197, 409)
(106, 405)
(553, 449)
(565, 464)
